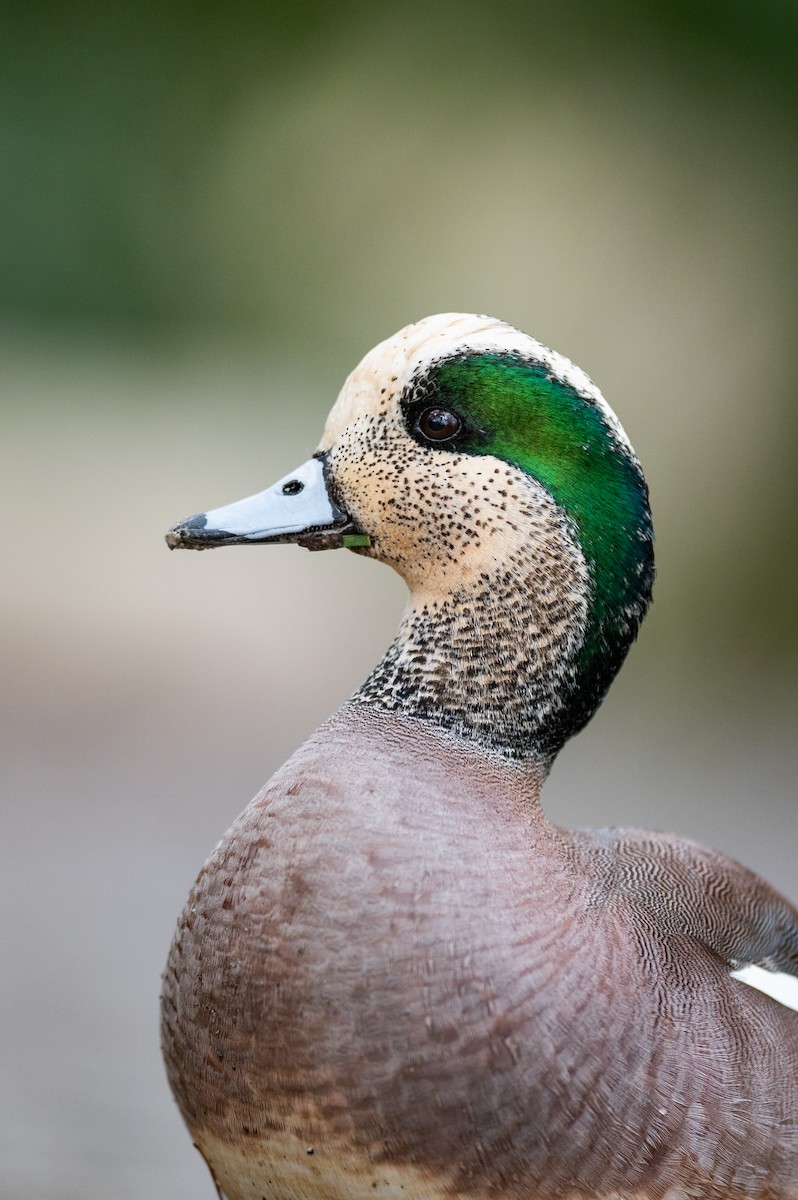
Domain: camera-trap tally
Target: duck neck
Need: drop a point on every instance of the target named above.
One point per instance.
(494, 662)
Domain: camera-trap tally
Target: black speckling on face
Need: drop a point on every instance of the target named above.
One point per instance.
(497, 610)
(515, 625)
(514, 407)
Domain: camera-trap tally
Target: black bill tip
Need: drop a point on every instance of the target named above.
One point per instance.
(193, 534)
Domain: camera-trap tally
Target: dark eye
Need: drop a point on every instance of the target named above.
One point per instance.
(438, 424)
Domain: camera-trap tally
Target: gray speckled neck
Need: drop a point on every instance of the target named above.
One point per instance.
(491, 664)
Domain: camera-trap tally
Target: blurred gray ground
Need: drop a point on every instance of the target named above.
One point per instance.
(205, 224)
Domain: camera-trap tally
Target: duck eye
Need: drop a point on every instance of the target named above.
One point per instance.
(438, 424)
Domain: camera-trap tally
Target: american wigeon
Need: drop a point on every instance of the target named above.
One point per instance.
(394, 976)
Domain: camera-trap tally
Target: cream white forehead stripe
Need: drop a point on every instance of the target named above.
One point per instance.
(414, 349)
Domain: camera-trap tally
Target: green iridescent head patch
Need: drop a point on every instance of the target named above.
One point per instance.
(516, 409)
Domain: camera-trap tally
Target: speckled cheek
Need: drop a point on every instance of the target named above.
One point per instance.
(440, 519)
(384, 480)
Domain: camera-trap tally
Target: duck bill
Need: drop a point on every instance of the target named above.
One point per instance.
(298, 508)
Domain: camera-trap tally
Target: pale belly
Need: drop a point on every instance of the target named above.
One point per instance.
(288, 1169)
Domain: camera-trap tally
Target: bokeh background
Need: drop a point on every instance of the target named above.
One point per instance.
(208, 213)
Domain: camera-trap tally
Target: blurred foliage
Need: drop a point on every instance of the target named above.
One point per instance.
(119, 126)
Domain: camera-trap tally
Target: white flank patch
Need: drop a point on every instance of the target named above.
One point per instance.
(778, 984)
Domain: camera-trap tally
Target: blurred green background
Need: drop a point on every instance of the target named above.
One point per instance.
(208, 214)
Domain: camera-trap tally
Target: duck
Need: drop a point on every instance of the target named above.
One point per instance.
(395, 976)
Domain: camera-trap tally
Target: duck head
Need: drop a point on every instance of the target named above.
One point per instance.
(491, 474)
